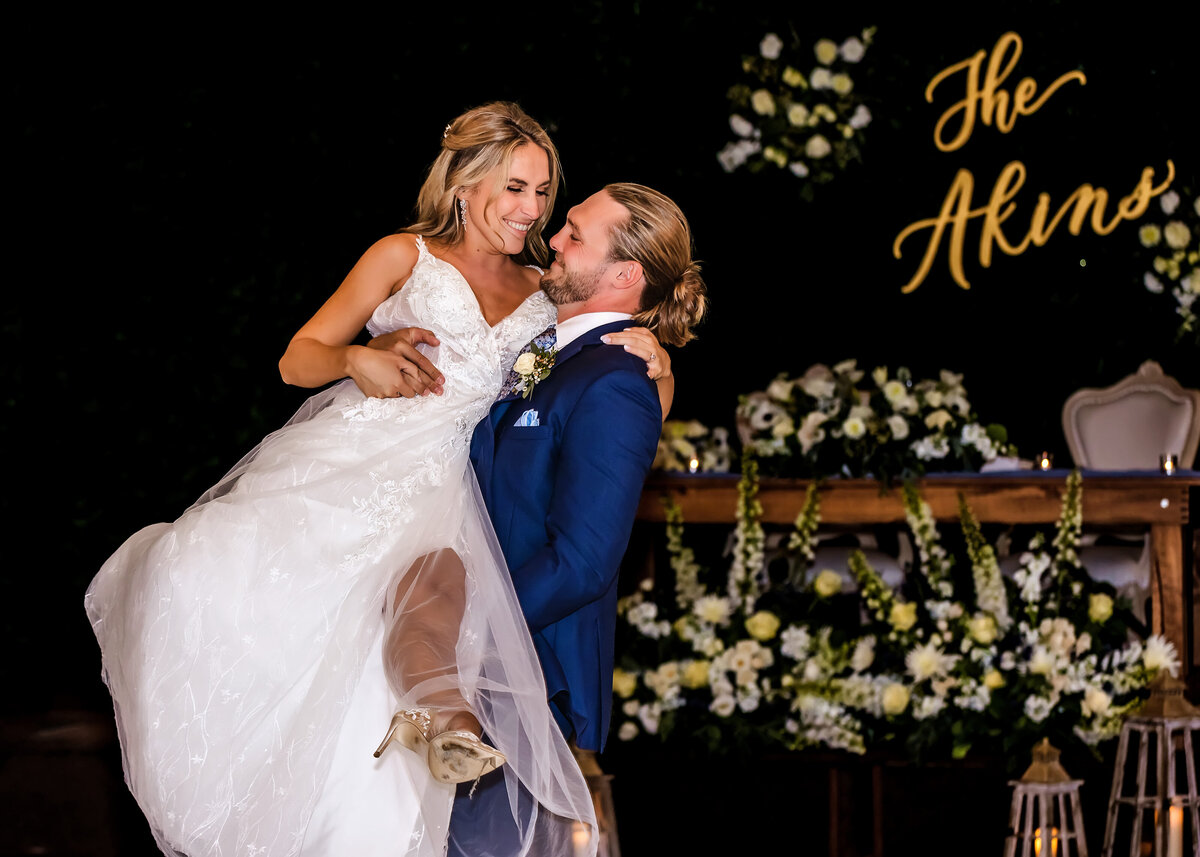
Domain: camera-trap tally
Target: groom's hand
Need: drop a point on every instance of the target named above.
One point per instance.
(417, 374)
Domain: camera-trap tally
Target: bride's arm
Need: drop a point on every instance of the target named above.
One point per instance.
(644, 344)
(321, 351)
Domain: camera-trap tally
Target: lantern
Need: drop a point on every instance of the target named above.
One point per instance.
(1153, 806)
(1046, 820)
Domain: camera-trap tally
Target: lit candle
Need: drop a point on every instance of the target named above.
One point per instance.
(1167, 463)
(1045, 461)
(581, 837)
(1175, 831)
(693, 465)
(1037, 842)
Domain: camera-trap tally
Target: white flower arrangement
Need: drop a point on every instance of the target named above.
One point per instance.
(1174, 248)
(689, 446)
(798, 108)
(938, 667)
(842, 422)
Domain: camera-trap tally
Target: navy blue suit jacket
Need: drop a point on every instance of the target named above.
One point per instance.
(562, 496)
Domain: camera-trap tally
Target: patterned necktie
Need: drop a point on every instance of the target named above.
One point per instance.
(545, 340)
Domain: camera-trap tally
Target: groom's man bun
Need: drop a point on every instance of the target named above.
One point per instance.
(657, 235)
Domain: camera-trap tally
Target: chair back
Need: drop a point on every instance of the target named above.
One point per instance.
(1128, 425)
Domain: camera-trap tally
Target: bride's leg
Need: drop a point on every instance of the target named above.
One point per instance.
(419, 651)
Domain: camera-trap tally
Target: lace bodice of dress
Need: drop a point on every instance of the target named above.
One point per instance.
(473, 356)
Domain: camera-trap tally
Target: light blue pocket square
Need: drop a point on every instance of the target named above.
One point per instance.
(529, 418)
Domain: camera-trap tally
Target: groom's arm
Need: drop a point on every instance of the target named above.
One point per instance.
(608, 445)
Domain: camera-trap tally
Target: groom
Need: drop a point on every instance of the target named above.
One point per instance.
(561, 470)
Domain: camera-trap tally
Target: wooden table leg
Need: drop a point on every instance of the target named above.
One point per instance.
(1167, 583)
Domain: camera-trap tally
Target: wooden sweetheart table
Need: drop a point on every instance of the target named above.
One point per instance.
(1123, 500)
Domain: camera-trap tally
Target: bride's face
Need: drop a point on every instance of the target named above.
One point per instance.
(504, 221)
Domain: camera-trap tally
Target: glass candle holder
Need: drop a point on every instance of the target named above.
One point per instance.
(1045, 461)
(693, 465)
(1168, 463)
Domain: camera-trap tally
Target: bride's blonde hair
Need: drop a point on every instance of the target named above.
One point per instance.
(473, 146)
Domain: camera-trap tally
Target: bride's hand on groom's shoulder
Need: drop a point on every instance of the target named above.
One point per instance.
(640, 342)
(392, 366)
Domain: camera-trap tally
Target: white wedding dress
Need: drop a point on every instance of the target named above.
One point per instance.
(242, 643)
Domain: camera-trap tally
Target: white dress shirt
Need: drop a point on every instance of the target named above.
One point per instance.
(578, 325)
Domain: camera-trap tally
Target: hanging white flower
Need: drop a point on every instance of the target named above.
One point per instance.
(741, 126)
(771, 46)
(861, 117)
(1177, 234)
(826, 51)
(817, 147)
(852, 50)
(841, 83)
(821, 78)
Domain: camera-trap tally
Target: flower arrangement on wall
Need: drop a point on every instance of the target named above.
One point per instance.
(689, 446)
(842, 421)
(798, 109)
(1174, 245)
(958, 659)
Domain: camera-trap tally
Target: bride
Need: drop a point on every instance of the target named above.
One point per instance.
(344, 575)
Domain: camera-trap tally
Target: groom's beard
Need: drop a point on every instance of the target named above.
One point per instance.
(572, 286)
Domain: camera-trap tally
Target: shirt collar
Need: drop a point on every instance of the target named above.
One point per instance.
(576, 326)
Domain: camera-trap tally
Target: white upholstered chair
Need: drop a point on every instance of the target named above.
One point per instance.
(1127, 427)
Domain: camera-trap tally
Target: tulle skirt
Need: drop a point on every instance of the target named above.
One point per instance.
(246, 646)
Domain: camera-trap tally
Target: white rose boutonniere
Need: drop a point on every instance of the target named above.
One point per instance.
(533, 367)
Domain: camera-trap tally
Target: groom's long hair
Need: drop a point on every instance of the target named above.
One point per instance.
(657, 235)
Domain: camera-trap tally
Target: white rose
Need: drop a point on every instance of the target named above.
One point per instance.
(842, 84)
(797, 115)
(861, 117)
(898, 425)
(1177, 234)
(826, 51)
(628, 731)
(741, 126)
(1095, 701)
(983, 628)
(821, 78)
(852, 49)
(817, 147)
(762, 102)
(1169, 201)
(894, 699)
(799, 169)
(828, 583)
(770, 46)
(525, 363)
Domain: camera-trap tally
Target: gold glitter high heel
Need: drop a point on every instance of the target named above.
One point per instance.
(460, 757)
(409, 726)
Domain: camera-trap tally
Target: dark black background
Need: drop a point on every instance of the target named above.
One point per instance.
(183, 193)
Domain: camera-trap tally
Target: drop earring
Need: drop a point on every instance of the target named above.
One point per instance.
(462, 206)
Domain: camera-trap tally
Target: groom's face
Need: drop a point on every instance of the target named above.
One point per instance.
(581, 260)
